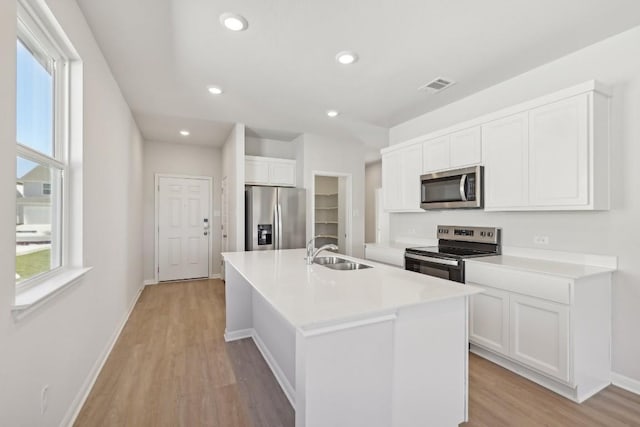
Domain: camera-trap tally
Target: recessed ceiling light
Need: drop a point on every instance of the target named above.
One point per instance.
(233, 21)
(332, 113)
(346, 57)
(215, 90)
(185, 132)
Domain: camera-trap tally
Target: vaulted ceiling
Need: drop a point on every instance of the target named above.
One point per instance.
(280, 75)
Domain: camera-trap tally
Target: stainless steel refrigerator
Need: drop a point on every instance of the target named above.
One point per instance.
(275, 218)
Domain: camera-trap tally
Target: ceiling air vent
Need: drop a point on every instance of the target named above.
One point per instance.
(436, 85)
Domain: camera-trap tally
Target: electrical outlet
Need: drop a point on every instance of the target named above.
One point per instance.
(44, 401)
(541, 240)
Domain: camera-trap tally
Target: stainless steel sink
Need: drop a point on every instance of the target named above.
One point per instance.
(347, 266)
(327, 260)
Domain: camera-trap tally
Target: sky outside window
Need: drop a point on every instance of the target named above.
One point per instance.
(34, 106)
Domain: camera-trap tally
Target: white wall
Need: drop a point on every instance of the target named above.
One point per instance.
(372, 180)
(59, 343)
(270, 148)
(233, 170)
(180, 159)
(615, 62)
(324, 154)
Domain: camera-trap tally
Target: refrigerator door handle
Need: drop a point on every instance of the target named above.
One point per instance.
(279, 226)
(276, 231)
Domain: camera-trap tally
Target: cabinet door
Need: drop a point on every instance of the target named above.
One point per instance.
(282, 173)
(489, 320)
(256, 171)
(435, 154)
(392, 180)
(540, 335)
(465, 147)
(559, 153)
(506, 159)
(411, 170)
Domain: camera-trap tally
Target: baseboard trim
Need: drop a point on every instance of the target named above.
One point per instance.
(150, 282)
(285, 385)
(215, 276)
(74, 410)
(625, 382)
(575, 394)
(238, 335)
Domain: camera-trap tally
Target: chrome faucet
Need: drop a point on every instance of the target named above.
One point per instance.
(311, 254)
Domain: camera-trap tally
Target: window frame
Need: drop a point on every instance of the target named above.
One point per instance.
(36, 37)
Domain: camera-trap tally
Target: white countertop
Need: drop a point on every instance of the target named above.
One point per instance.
(307, 295)
(554, 268)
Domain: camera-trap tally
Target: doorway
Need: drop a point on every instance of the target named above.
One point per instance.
(183, 227)
(331, 210)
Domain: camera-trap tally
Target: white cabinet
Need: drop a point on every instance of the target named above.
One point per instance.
(435, 154)
(559, 153)
(554, 330)
(462, 148)
(505, 145)
(401, 169)
(269, 171)
(553, 157)
(489, 320)
(540, 335)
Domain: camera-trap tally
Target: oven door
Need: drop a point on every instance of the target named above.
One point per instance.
(459, 188)
(438, 267)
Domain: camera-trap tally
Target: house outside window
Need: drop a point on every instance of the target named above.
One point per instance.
(42, 150)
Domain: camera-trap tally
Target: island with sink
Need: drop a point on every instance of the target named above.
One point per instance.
(353, 342)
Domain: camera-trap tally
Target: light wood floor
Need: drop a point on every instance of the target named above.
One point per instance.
(171, 367)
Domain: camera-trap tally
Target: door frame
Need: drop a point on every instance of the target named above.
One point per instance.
(348, 226)
(156, 225)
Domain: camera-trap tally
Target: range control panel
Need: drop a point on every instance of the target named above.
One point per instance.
(469, 234)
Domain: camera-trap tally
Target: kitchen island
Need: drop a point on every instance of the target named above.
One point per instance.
(374, 347)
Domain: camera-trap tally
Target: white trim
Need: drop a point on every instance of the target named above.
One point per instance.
(285, 385)
(30, 298)
(149, 282)
(575, 394)
(625, 382)
(77, 404)
(215, 276)
(347, 325)
(349, 206)
(156, 231)
(238, 335)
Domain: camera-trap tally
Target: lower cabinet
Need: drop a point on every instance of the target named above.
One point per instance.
(540, 335)
(489, 325)
(551, 329)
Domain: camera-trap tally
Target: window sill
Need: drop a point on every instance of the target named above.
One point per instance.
(29, 299)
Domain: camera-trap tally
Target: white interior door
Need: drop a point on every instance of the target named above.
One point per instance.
(183, 228)
(224, 220)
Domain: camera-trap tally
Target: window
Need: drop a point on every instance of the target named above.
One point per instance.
(41, 162)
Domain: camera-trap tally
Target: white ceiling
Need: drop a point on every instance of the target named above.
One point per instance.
(280, 76)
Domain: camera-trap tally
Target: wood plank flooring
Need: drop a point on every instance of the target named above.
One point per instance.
(171, 367)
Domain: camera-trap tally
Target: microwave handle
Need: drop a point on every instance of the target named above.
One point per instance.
(463, 185)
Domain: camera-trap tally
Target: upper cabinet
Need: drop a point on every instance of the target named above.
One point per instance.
(269, 171)
(553, 157)
(550, 153)
(401, 171)
(505, 145)
(458, 149)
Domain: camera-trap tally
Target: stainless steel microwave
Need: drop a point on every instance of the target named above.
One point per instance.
(452, 189)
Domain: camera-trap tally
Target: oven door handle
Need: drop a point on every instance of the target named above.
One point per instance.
(463, 185)
(432, 259)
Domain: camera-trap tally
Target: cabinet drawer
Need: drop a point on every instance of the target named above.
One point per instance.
(551, 288)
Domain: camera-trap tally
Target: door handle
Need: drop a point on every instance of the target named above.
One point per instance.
(463, 182)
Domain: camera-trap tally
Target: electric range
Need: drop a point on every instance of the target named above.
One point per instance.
(455, 244)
